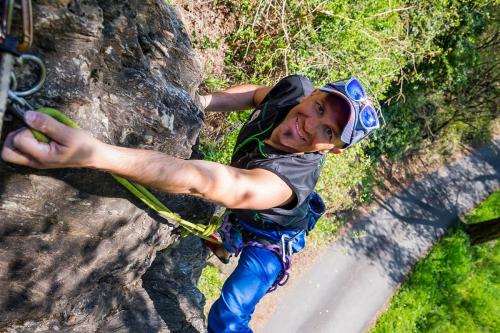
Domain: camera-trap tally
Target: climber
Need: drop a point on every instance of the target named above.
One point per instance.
(268, 188)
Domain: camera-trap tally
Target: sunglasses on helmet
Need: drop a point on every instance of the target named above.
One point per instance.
(365, 116)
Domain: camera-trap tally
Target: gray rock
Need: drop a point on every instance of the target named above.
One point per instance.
(171, 282)
(74, 244)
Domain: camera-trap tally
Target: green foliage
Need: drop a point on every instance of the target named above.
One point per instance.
(214, 84)
(454, 289)
(450, 96)
(344, 179)
(221, 150)
(204, 42)
(324, 232)
(323, 40)
(210, 283)
(488, 210)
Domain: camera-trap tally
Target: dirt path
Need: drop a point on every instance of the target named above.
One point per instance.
(352, 281)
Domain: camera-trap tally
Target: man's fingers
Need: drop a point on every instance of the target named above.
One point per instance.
(13, 155)
(16, 157)
(27, 144)
(54, 129)
(9, 139)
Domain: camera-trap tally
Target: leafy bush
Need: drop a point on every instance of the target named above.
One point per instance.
(342, 183)
(221, 149)
(451, 96)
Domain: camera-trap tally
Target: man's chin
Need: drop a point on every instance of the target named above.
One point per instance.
(294, 148)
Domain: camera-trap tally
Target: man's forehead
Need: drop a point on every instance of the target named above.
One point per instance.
(333, 102)
(338, 107)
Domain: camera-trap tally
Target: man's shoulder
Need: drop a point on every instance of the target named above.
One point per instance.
(289, 89)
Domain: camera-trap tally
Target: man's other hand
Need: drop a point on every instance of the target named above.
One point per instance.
(68, 148)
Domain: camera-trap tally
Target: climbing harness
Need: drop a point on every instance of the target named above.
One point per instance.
(236, 237)
(237, 234)
(15, 99)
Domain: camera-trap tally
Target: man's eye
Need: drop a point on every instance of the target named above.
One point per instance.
(321, 110)
(329, 133)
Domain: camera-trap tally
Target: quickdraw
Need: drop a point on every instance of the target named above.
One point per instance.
(18, 105)
(10, 46)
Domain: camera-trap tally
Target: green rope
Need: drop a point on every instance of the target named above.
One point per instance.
(253, 137)
(142, 193)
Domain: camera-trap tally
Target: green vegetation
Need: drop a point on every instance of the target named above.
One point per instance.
(204, 42)
(210, 283)
(450, 97)
(222, 150)
(488, 210)
(325, 232)
(432, 64)
(342, 182)
(454, 289)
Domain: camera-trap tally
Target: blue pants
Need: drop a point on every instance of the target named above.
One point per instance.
(256, 272)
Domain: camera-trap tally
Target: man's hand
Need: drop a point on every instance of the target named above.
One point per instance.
(69, 147)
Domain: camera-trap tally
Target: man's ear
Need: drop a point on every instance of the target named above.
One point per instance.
(336, 150)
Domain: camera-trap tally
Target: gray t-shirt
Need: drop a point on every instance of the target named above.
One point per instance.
(299, 171)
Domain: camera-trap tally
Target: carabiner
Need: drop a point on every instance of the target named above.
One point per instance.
(285, 247)
(43, 74)
(18, 105)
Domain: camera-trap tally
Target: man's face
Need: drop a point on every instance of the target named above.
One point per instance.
(315, 124)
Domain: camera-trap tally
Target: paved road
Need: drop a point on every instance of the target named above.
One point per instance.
(347, 287)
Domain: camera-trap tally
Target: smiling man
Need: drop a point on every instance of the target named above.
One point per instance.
(268, 188)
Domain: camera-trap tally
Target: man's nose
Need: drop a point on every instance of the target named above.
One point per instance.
(310, 125)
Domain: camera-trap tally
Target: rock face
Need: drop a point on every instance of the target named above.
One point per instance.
(73, 243)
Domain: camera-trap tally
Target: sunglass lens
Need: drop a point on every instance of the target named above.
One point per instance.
(369, 117)
(355, 90)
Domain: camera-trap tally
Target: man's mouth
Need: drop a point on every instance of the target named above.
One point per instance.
(297, 128)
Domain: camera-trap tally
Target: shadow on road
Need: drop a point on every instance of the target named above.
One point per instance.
(395, 235)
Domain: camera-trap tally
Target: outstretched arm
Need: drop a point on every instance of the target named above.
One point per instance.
(225, 185)
(236, 98)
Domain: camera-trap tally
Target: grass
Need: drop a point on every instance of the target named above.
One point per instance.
(455, 289)
(489, 210)
(324, 232)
